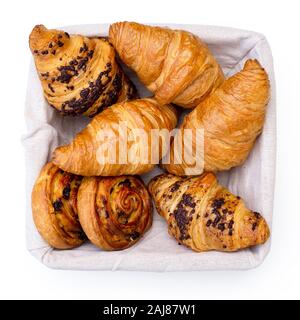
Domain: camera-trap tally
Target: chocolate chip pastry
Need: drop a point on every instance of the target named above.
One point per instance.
(203, 215)
(79, 75)
(54, 207)
(115, 211)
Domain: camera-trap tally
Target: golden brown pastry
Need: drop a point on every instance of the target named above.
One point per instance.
(203, 215)
(231, 118)
(173, 64)
(79, 75)
(114, 211)
(85, 155)
(54, 207)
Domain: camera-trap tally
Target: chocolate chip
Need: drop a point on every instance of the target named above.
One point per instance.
(66, 192)
(57, 205)
(44, 52)
(221, 226)
(50, 45)
(82, 64)
(257, 215)
(90, 54)
(208, 223)
(217, 203)
(84, 48)
(84, 93)
(230, 224)
(188, 201)
(53, 52)
(35, 51)
(51, 88)
(67, 35)
(59, 43)
(175, 186)
(254, 225)
(73, 62)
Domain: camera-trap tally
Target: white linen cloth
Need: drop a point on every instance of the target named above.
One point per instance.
(157, 251)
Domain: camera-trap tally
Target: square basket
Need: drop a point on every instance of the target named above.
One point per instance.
(157, 251)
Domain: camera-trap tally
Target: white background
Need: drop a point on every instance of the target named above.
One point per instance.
(21, 276)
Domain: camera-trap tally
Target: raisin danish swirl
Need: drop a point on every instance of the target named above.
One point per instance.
(115, 211)
(79, 75)
(204, 215)
(54, 207)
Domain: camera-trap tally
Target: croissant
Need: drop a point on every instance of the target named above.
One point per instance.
(203, 215)
(79, 75)
(173, 64)
(231, 118)
(54, 207)
(89, 154)
(114, 211)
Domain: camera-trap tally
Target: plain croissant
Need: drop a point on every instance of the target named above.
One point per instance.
(231, 118)
(203, 215)
(114, 211)
(79, 75)
(89, 154)
(173, 64)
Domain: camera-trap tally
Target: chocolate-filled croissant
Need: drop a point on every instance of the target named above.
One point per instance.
(203, 215)
(54, 207)
(175, 65)
(79, 75)
(115, 211)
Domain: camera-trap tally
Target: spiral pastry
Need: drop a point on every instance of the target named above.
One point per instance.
(54, 207)
(114, 211)
(79, 75)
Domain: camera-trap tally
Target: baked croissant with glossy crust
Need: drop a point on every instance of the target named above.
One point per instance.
(231, 118)
(114, 211)
(79, 75)
(173, 64)
(54, 207)
(86, 154)
(203, 215)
